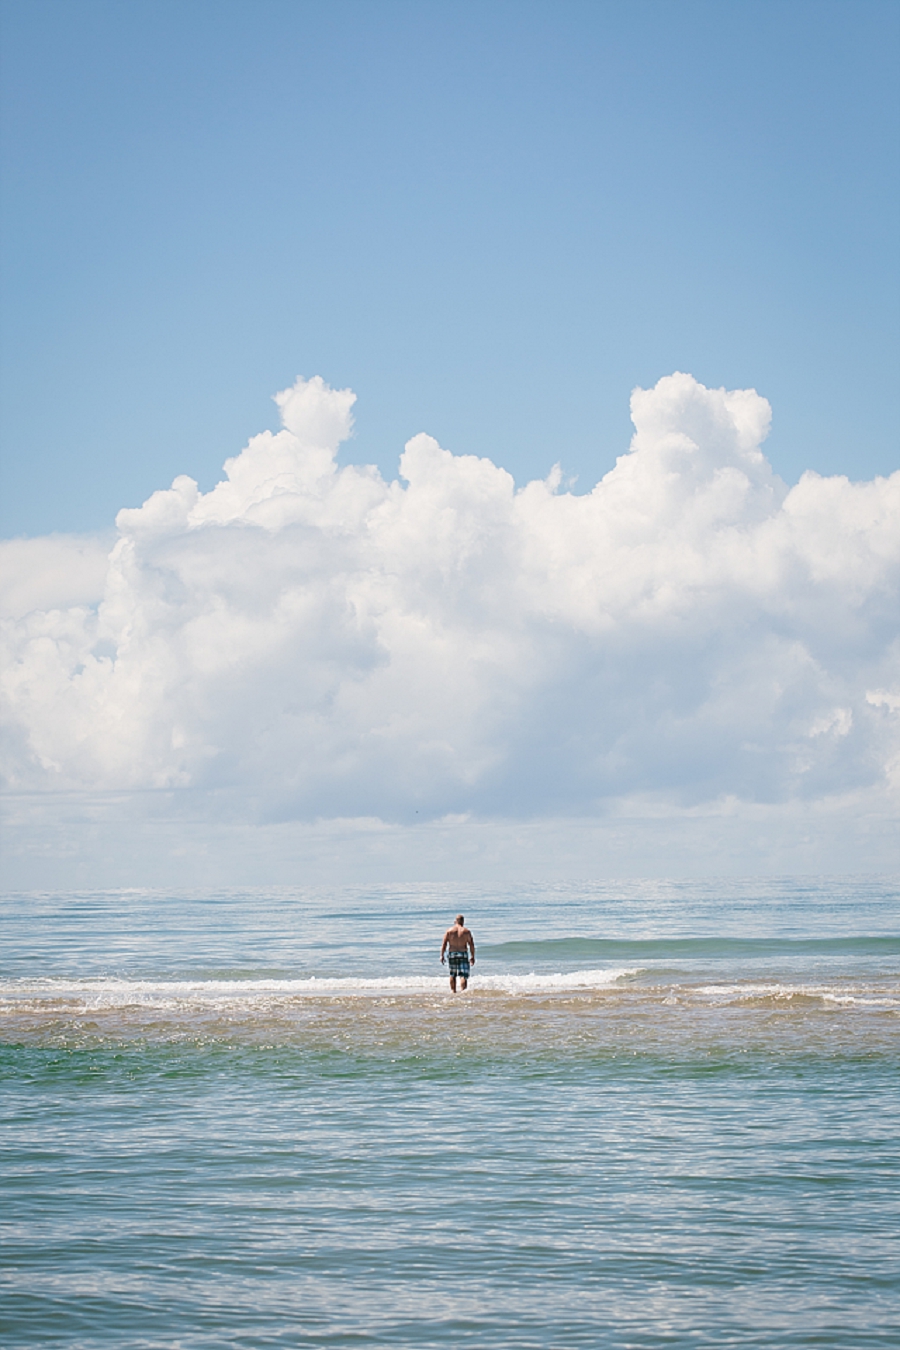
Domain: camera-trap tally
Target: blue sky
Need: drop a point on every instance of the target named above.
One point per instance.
(492, 221)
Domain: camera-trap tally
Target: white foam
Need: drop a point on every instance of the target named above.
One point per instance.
(104, 993)
(853, 1000)
(743, 993)
(573, 979)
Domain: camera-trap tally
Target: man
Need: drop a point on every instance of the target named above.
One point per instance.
(458, 944)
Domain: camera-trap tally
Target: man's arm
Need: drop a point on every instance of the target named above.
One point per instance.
(444, 945)
(471, 943)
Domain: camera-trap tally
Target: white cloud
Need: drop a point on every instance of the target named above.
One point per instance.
(331, 645)
(56, 572)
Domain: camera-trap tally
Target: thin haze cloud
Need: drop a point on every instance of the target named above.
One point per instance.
(330, 644)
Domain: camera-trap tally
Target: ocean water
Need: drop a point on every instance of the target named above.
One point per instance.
(664, 1114)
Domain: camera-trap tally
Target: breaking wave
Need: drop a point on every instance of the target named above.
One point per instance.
(109, 993)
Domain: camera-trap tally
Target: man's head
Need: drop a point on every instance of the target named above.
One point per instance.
(461, 921)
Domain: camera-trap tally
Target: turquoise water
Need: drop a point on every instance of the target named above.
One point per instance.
(663, 1115)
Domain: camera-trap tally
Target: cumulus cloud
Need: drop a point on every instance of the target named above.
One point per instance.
(335, 645)
(55, 572)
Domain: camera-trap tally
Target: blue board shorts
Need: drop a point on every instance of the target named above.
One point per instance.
(459, 964)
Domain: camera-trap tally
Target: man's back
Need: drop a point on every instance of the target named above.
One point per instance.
(458, 938)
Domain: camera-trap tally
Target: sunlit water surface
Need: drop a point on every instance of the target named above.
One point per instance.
(665, 1114)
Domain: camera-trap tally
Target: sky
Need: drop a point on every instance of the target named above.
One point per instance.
(492, 221)
(569, 543)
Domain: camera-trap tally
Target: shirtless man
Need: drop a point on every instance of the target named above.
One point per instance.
(458, 943)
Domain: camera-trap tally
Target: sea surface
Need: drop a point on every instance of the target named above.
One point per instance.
(664, 1114)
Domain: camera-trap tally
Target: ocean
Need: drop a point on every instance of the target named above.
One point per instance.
(664, 1114)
